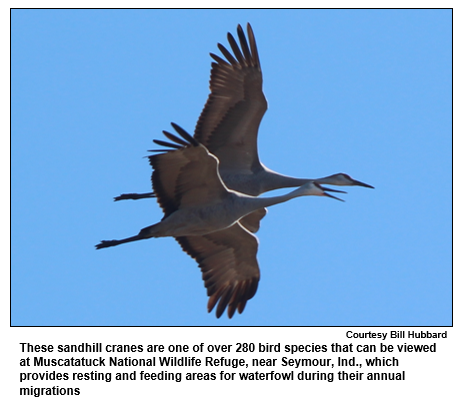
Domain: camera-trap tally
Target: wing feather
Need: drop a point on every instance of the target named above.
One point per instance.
(227, 259)
(186, 177)
(244, 45)
(229, 123)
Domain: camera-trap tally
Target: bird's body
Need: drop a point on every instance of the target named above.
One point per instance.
(203, 215)
(207, 187)
(222, 213)
(195, 199)
(229, 123)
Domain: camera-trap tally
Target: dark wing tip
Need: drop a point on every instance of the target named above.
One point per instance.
(218, 59)
(224, 301)
(184, 134)
(163, 143)
(236, 50)
(253, 46)
(175, 139)
(177, 144)
(234, 297)
(244, 45)
(227, 55)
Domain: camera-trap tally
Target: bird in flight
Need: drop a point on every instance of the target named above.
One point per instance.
(229, 123)
(228, 130)
(203, 216)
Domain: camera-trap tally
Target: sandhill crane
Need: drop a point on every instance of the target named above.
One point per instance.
(228, 125)
(202, 214)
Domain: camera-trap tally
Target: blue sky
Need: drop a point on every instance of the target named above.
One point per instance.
(363, 92)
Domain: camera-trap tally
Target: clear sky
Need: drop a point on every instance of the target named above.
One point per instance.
(368, 93)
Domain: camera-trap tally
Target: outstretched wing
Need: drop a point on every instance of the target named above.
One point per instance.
(229, 123)
(227, 259)
(186, 177)
(251, 222)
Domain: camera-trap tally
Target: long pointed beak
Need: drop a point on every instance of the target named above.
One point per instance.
(362, 184)
(331, 190)
(332, 196)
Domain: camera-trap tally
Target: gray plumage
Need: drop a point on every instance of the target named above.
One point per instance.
(229, 123)
(203, 214)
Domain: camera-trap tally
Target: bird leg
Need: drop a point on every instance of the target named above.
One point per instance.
(134, 196)
(143, 234)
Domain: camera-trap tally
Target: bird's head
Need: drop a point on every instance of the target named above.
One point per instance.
(342, 179)
(313, 188)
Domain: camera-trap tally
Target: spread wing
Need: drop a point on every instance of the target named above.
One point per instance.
(186, 177)
(227, 259)
(229, 123)
(251, 222)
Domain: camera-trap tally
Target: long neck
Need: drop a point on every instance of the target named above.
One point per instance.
(272, 180)
(330, 180)
(253, 203)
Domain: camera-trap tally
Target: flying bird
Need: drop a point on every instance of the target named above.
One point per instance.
(203, 216)
(229, 123)
(228, 128)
